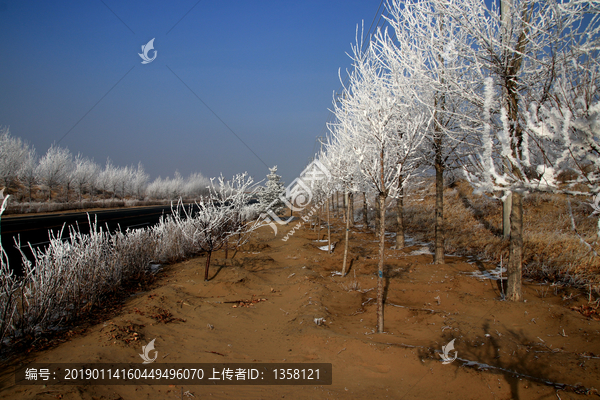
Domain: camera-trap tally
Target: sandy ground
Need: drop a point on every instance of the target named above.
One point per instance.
(519, 347)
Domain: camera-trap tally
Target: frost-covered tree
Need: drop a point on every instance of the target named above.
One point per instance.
(384, 129)
(224, 214)
(69, 179)
(27, 174)
(269, 196)
(515, 54)
(342, 163)
(110, 178)
(242, 188)
(84, 175)
(105, 177)
(125, 180)
(54, 167)
(196, 185)
(422, 46)
(175, 186)
(139, 181)
(13, 153)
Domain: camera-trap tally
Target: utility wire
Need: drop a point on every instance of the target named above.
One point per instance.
(372, 22)
(90, 110)
(219, 118)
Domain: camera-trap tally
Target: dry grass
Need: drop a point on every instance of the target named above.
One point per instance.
(552, 251)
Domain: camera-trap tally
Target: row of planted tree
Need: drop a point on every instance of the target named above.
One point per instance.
(58, 175)
(504, 93)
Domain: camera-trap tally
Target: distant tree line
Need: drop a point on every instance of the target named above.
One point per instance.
(61, 176)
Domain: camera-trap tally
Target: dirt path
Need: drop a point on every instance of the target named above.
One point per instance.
(426, 306)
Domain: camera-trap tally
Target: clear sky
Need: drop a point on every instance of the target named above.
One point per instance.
(268, 69)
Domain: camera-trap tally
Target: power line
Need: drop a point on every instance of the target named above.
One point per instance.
(372, 22)
(94, 106)
(219, 118)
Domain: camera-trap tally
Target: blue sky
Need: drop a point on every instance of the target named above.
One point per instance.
(268, 69)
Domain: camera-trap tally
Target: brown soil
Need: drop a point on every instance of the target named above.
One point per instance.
(261, 305)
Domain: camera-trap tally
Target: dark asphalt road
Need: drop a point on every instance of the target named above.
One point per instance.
(34, 228)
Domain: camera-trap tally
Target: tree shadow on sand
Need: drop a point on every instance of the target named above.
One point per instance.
(488, 353)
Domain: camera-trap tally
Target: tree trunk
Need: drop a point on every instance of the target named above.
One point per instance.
(345, 206)
(365, 211)
(207, 265)
(328, 229)
(346, 243)
(332, 202)
(515, 255)
(506, 210)
(226, 247)
(351, 208)
(380, 268)
(400, 219)
(319, 217)
(377, 217)
(439, 205)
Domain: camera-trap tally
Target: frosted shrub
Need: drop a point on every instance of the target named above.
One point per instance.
(10, 286)
(68, 277)
(71, 277)
(135, 250)
(176, 235)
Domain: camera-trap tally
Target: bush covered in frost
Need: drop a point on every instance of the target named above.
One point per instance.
(70, 278)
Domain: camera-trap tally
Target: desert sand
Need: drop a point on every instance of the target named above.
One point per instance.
(261, 303)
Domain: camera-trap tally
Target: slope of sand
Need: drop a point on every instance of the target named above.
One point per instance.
(523, 345)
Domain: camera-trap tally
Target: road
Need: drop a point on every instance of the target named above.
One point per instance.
(34, 228)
